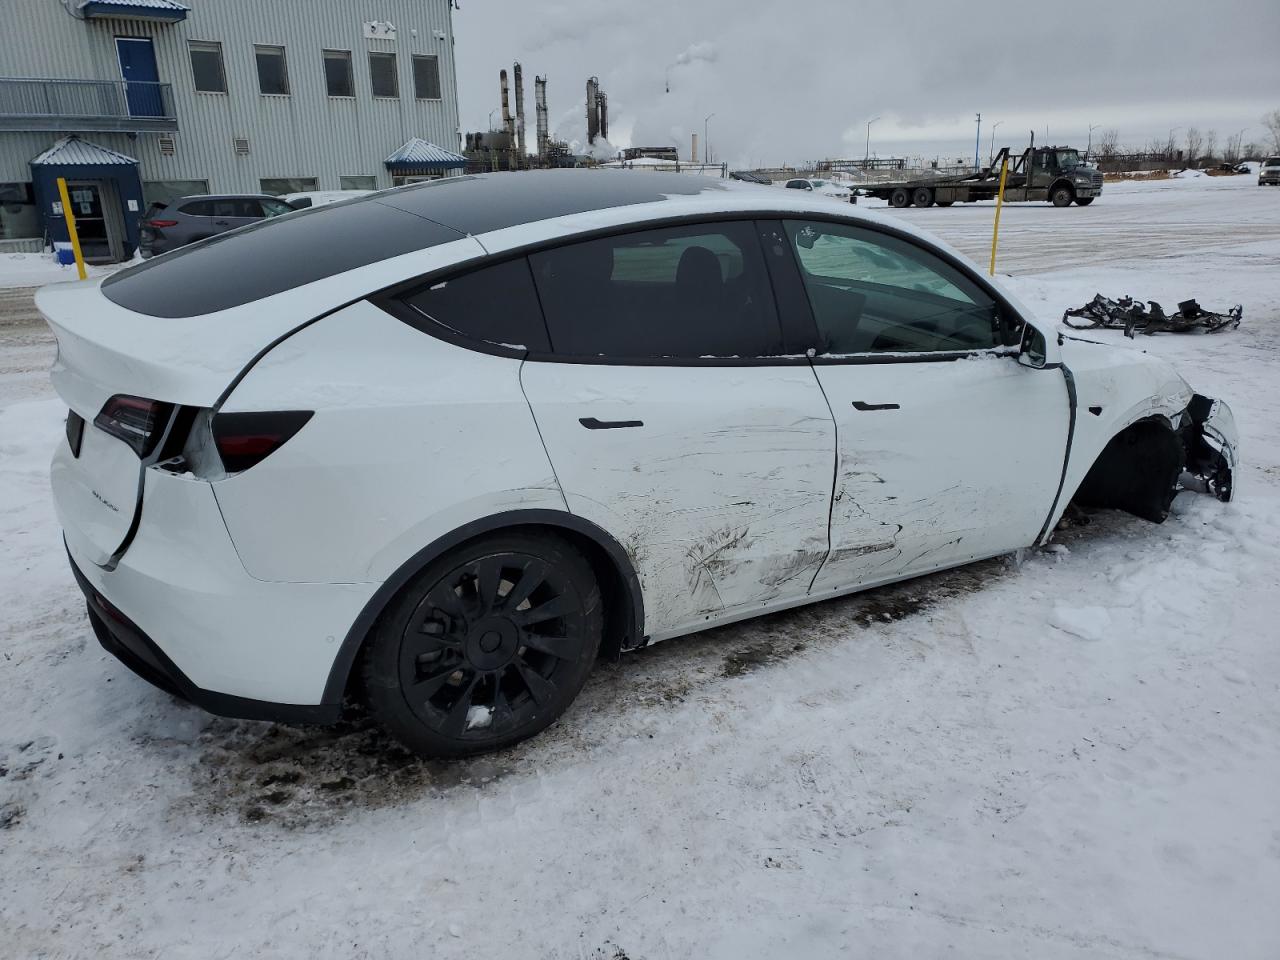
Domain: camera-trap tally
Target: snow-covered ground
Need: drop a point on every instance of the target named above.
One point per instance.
(1077, 756)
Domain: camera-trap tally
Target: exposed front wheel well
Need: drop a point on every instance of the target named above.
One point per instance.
(1137, 471)
(619, 585)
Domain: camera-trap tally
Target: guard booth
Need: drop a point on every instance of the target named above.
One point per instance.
(421, 160)
(105, 192)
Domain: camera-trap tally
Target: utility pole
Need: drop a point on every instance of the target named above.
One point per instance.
(705, 142)
(1089, 146)
(977, 139)
(867, 155)
(992, 153)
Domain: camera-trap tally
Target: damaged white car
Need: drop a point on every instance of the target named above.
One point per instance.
(442, 447)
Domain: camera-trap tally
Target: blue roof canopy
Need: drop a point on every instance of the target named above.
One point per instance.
(418, 154)
(72, 151)
(168, 10)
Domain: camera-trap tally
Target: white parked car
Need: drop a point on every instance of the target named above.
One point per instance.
(461, 439)
(826, 188)
(318, 198)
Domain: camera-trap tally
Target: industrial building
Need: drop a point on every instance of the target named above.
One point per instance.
(134, 101)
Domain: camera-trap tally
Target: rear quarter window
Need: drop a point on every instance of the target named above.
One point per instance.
(496, 304)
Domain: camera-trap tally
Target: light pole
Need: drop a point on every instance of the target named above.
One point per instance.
(491, 113)
(1089, 146)
(977, 139)
(867, 156)
(993, 139)
(706, 152)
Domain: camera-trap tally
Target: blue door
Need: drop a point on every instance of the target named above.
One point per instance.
(138, 69)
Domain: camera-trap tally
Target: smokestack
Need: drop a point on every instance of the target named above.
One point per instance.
(593, 109)
(602, 102)
(540, 112)
(693, 152)
(519, 112)
(508, 124)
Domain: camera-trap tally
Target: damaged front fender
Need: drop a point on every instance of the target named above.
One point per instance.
(1211, 442)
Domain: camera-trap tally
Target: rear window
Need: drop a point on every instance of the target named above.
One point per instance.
(271, 256)
(197, 208)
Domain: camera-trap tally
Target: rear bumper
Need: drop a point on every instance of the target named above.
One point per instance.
(124, 640)
(181, 611)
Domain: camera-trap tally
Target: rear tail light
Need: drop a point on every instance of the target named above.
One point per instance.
(137, 421)
(157, 224)
(246, 439)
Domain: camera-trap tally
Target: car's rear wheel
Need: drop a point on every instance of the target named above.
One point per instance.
(487, 646)
(901, 197)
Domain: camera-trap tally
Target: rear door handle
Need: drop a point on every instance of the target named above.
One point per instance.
(859, 405)
(591, 423)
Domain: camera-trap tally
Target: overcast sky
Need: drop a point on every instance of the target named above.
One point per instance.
(798, 81)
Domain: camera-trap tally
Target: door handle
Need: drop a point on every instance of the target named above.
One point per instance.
(220, 223)
(859, 405)
(591, 423)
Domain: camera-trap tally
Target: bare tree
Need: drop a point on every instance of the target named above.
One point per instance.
(1109, 143)
(1211, 144)
(1252, 151)
(1195, 143)
(1272, 122)
(1231, 152)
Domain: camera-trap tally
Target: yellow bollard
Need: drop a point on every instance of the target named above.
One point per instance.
(995, 233)
(71, 226)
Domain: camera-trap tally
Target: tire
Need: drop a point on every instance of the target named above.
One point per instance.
(458, 665)
(944, 203)
(900, 197)
(922, 197)
(1084, 201)
(1061, 196)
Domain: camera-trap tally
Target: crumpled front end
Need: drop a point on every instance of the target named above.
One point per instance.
(1211, 442)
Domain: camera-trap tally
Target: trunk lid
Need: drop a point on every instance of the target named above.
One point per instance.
(105, 350)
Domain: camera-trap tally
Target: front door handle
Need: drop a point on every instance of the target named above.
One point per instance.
(859, 405)
(220, 223)
(591, 423)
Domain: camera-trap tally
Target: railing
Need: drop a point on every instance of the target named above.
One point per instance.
(41, 104)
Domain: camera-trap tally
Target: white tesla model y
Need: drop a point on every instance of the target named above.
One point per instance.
(459, 439)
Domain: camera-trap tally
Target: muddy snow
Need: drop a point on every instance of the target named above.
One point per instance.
(1074, 753)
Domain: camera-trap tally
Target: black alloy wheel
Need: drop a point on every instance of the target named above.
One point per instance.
(488, 646)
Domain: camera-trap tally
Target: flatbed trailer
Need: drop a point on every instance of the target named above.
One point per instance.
(1052, 174)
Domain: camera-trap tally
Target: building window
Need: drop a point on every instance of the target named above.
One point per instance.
(404, 181)
(206, 66)
(426, 78)
(382, 75)
(337, 73)
(273, 74)
(357, 183)
(167, 191)
(19, 219)
(278, 186)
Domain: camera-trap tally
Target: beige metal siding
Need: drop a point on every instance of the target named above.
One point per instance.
(305, 134)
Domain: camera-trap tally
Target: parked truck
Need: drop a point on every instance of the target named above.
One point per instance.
(1054, 174)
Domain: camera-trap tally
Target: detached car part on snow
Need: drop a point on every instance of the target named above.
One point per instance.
(1132, 317)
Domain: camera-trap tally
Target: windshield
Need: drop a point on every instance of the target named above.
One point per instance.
(1068, 159)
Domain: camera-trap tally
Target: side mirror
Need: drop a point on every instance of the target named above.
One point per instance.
(1033, 350)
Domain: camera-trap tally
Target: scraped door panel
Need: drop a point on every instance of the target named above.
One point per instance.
(716, 480)
(940, 463)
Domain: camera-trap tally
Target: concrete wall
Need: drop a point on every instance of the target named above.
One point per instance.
(305, 134)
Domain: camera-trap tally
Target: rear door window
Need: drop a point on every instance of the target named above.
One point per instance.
(691, 292)
(496, 304)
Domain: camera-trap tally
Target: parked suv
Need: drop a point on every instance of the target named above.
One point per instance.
(1269, 172)
(167, 226)
(461, 438)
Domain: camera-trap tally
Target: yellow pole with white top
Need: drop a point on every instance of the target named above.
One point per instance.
(995, 233)
(71, 226)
